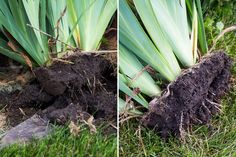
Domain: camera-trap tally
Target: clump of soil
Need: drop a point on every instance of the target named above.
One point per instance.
(193, 98)
(83, 83)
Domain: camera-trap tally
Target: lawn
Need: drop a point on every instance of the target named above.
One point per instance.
(218, 139)
(61, 143)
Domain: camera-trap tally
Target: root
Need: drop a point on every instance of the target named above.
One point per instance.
(229, 29)
(190, 99)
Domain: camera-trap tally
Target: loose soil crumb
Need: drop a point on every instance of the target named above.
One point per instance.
(64, 91)
(193, 98)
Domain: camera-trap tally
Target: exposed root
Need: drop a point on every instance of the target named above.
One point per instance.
(226, 30)
(192, 98)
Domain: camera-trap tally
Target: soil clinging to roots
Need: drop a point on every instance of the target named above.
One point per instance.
(68, 92)
(193, 98)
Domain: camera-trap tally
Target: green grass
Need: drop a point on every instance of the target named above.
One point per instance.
(62, 144)
(220, 141)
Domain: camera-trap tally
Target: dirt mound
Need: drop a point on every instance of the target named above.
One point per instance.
(192, 98)
(84, 83)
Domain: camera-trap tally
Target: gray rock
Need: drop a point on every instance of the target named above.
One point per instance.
(32, 128)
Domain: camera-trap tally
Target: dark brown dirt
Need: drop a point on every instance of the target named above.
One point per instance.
(64, 91)
(4, 60)
(193, 98)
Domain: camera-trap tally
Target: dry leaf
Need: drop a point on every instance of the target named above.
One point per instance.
(25, 57)
(74, 129)
(27, 60)
(12, 46)
(90, 124)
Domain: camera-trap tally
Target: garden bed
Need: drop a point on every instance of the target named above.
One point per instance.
(81, 88)
(85, 82)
